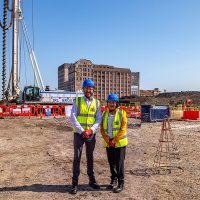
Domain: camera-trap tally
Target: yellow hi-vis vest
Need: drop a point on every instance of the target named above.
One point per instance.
(115, 127)
(86, 116)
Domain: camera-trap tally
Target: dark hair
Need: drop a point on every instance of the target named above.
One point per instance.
(117, 104)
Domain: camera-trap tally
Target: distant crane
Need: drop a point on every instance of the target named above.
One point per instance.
(17, 20)
(30, 94)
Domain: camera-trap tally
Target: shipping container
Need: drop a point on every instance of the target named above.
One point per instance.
(153, 113)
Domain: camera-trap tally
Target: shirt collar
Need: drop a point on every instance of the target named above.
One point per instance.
(86, 99)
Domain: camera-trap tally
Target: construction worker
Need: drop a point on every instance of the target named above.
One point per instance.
(85, 119)
(113, 130)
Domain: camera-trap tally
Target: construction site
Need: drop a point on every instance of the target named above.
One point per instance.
(36, 137)
(37, 155)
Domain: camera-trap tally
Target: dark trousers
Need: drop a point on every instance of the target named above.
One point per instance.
(116, 157)
(78, 147)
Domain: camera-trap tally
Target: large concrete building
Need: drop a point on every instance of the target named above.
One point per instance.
(107, 78)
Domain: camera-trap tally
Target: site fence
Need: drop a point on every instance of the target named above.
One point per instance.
(65, 110)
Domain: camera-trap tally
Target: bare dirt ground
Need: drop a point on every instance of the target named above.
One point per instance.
(36, 161)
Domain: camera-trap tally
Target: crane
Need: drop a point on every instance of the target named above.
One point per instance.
(17, 20)
(31, 94)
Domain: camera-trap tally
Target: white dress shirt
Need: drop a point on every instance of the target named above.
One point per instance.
(76, 124)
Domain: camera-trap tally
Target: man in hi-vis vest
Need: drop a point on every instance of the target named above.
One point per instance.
(113, 130)
(85, 119)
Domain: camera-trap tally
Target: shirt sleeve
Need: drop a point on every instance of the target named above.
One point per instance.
(73, 119)
(98, 120)
(123, 128)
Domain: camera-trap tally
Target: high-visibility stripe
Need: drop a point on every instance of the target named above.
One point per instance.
(82, 124)
(114, 129)
(86, 115)
(125, 136)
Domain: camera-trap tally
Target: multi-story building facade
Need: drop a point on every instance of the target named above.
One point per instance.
(135, 83)
(107, 78)
(63, 76)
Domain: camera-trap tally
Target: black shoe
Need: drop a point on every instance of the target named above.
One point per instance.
(112, 185)
(94, 185)
(119, 188)
(74, 189)
(74, 186)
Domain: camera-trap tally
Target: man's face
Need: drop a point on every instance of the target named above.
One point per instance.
(88, 91)
(112, 105)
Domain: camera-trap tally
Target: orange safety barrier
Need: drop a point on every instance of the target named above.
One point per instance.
(55, 110)
(33, 110)
(4, 110)
(135, 111)
(135, 114)
(131, 108)
(62, 110)
(15, 110)
(27, 110)
(190, 114)
(131, 111)
(40, 110)
(137, 108)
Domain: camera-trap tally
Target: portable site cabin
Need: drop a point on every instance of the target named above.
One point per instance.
(153, 113)
(59, 96)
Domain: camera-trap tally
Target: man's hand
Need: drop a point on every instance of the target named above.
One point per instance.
(84, 134)
(87, 133)
(111, 143)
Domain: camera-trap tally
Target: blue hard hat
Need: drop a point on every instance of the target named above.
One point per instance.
(112, 97)
(88, 83)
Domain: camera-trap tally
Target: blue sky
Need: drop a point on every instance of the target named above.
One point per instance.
(158, 38)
